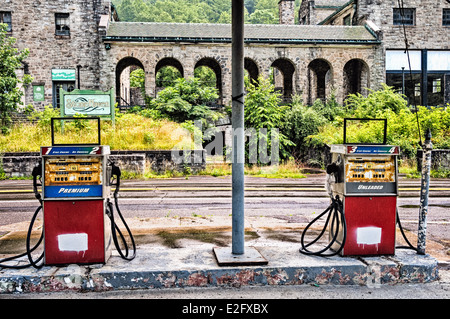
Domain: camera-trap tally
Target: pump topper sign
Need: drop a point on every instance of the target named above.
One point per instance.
(87, 103)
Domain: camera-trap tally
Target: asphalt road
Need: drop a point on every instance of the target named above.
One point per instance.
(296, 200)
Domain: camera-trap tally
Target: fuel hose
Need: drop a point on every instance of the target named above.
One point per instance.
(115, 171)
(336, 214)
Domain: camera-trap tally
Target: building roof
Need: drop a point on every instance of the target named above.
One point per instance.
(221, 33)
(329, 3)
(341, 9)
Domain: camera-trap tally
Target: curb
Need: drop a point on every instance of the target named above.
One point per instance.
(160, 268)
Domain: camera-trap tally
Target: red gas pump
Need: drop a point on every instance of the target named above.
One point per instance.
(363, 186)
(79, 225)
(75, 193)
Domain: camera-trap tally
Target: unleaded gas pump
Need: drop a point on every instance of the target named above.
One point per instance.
(79, 225)
(363, 185)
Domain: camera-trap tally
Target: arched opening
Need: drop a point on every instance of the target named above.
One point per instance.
(319, 80)
(167, 70)
(204, 69)
(252, 70)
(356, 77)
(283, 77)
(130, 82)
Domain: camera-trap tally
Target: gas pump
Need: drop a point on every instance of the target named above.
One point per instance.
(75, 191)
(78, 215)
(363, 186)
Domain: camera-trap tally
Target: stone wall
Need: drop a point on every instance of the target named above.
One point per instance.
(21, 164)
(427, 33)
(33, 25)
(440, 159)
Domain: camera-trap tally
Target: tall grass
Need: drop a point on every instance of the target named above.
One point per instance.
(130, 132)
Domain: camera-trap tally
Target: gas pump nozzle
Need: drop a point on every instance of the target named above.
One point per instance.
(37, 171)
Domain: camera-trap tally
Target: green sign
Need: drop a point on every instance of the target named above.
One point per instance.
(38, 93)
(88, 103)
(63, 74)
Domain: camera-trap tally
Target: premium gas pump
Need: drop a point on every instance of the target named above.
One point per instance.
(363, 185)
(79, 225)
(75, 194)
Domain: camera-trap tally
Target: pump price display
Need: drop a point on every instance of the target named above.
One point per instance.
(73, 176)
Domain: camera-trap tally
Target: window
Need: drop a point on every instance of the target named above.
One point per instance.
(5, 17)
(348, 20)
(428, 88)
(404, 16)
(62, 24)
(67, 86)
(446, 17)
(435, 91)
(403, 83)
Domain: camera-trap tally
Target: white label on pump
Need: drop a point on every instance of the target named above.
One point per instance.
(73, 242)
(368, 235)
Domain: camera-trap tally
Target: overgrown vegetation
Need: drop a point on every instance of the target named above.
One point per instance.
(11, 92)
(167, 123)
(403, 124)
(186, 100)
(131, 131)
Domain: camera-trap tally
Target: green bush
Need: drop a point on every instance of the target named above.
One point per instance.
(186, 100)
(263, 111)
(403, 124)
(300, 122)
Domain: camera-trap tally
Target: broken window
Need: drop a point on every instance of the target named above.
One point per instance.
(62, 24)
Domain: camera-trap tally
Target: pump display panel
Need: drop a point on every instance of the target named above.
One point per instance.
(366, 169)
(374, 174)
(73, 172)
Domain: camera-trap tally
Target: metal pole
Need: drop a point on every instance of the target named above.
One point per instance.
(237, 119)
(425, 186)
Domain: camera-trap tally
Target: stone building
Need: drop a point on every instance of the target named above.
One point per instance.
(339, 46)
(422, 72)
(310, 66)
(65, 40)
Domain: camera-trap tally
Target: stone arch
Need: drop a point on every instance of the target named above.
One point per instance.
(284, 77)
(319, 80)
(123, 89)
(167, 62)
(356, 77)
(252, 69)
(217, 69)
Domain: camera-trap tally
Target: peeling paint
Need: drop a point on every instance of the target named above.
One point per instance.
(198, 280)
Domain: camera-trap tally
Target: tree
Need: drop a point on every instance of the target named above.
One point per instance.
(11, 59)
(196, 11)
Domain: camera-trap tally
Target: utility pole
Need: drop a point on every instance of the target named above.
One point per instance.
(238, 255)
(237, 120)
